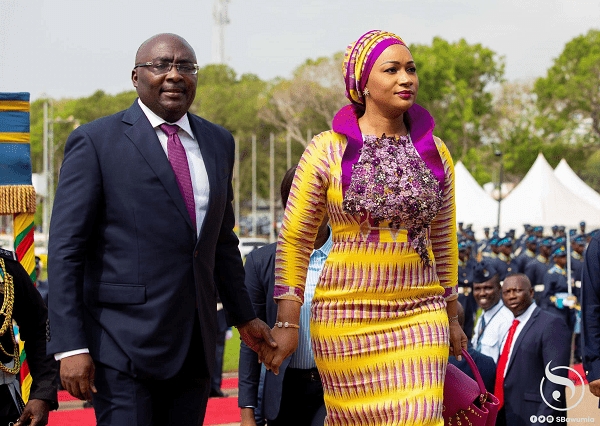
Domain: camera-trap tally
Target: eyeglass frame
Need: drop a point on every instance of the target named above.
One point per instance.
(171, 64)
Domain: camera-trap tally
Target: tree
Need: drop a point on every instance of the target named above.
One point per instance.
(454, 86)
(307, 103)
(570, 93)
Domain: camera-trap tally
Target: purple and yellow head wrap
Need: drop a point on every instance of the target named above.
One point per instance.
(358, 63)
(359, 59)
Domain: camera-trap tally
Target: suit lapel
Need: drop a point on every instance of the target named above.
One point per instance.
(143, 136)
(203, 138)
(521, 336)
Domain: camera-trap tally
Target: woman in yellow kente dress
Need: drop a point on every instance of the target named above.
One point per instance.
(383, 317)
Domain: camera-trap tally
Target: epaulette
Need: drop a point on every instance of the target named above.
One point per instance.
(7, 254)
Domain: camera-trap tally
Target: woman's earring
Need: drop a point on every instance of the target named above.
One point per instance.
(366, 92)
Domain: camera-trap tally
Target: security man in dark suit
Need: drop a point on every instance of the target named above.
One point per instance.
(539, 341)
(22, 303)
(466, 266)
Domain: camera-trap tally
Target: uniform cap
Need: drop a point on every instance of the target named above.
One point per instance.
(484, 271)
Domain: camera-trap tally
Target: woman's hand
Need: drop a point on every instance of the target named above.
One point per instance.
(287, 342)
(458, 340)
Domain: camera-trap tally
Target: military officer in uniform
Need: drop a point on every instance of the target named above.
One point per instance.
(538, 231)
(556, 297)
(466, 266)
(577, 250)
(537, 268)
(494, 322)
(504, 263)
(22, 303)
(483, 247)
(528, 254)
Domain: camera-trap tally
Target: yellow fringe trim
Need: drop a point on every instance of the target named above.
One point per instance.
(14, 106)
(14, 137)
(17, 199)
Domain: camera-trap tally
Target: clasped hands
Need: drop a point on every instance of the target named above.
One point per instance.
(271, 345)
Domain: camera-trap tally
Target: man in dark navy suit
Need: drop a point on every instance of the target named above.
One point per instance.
(590, 311)
(537, 342)
(141, 240)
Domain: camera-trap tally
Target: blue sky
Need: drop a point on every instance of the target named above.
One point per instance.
(71, 48)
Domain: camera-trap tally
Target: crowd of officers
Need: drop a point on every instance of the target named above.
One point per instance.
(547, 260)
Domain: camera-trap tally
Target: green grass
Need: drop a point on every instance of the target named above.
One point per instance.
(232, 352)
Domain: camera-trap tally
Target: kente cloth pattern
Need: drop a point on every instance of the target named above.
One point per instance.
(379, 327)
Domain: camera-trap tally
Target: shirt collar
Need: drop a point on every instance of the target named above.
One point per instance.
(155, 120)
(524, 317)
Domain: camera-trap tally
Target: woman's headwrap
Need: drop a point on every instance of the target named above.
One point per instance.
(358, 63)
(359, 59)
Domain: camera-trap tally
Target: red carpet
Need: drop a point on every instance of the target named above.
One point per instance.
(219, 410)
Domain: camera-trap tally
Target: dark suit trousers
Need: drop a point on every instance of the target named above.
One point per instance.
(302, 401)
(179, 401)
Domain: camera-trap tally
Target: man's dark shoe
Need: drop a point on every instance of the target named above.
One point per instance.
(217, 393)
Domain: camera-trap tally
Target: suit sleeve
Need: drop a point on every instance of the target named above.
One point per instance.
(249, 368)
(443, 230)
(77, 200)
(556, 350)
(30, 314)
(590, 310)
(229, 269)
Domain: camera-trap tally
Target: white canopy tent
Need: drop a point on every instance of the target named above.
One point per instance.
(541, 199)
(473, 205)
(569, 178)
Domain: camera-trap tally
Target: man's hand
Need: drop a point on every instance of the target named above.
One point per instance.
(595, 387)
(34, 414)
(77, 374)
(287, 343)
(257, 335)
(247, 417)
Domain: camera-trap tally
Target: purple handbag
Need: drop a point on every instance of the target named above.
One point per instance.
(466, 401)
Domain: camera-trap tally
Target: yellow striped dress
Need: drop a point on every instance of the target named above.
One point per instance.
(379, 327)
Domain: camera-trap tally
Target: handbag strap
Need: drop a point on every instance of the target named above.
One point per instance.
(478, 379)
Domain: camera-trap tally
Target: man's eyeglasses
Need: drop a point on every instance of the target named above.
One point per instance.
(160, 67)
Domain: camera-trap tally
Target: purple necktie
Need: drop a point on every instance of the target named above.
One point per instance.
(180, 166)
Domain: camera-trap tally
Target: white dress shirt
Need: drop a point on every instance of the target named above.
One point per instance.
(497, 322)
(523, 318)
(194, 157)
